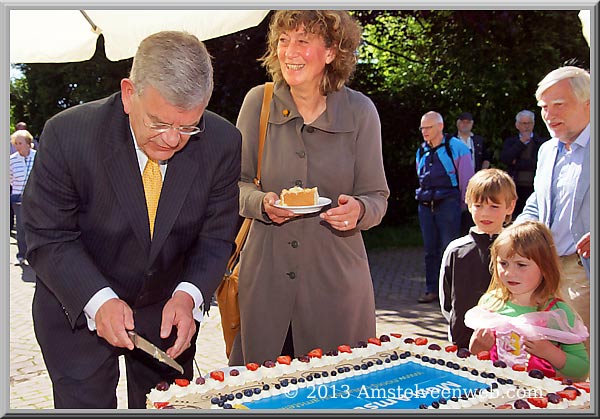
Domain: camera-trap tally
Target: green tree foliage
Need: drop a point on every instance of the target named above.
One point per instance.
(487, 62)
(484, 62)
(237, 68)
(51, 88)
(19, 98)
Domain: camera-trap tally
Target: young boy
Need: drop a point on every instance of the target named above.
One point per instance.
(465, 271)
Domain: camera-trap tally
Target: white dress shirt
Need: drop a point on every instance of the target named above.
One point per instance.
(565, 178)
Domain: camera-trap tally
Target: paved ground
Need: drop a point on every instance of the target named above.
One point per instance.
(398, 278)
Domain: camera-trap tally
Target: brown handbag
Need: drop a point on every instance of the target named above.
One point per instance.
(227, 292)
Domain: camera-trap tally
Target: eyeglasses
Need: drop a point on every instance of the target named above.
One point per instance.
(425, 128)
(161, 127)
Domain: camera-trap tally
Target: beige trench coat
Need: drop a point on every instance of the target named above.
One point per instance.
(304, 272)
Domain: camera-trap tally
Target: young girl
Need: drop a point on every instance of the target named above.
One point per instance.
(521, 318)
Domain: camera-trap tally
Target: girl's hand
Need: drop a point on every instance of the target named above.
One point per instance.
(277, 215)
(547, 350)
(482, 340)
(345, 216)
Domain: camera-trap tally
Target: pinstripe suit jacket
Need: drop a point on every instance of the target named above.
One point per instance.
(87, 226)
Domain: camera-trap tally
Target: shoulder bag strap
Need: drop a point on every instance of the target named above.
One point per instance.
(240, 239)
(262, 131)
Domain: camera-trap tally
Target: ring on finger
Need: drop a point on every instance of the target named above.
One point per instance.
(346, 223)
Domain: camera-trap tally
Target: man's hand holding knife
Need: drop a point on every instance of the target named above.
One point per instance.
(114, 318)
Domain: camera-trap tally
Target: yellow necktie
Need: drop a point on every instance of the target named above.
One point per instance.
(152, 180)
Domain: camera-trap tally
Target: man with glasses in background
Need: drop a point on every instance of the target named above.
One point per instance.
(519, 153)
(444, 168)
(130, 216)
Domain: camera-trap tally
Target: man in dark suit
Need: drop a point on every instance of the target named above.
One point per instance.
(480, 157)
(519, 153)
(110, 254)
(476, 143)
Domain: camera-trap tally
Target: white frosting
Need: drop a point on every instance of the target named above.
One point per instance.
(372, 351)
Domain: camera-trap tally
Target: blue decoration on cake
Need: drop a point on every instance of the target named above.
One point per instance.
(405, 386)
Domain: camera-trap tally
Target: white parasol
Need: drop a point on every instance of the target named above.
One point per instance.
(51, 36)
(584, 16)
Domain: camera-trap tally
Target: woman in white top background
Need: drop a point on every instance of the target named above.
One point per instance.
(21, 163)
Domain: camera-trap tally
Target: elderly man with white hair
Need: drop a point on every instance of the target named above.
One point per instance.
(519, 153)
(561, 197)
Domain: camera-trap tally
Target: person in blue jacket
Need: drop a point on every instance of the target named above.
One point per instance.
(444, 168)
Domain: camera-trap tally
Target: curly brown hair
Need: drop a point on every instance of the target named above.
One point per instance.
(338, 29)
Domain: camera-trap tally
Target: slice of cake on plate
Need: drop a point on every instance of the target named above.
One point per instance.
(297, 196)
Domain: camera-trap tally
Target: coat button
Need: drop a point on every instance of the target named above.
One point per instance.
(286, 112)
(66, 312)
(292, 275)
(301, 154)
(294, 244)
(310, 129)
(298, 183)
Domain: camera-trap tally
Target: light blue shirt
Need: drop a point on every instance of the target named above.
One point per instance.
(107, 293)
(565, 178)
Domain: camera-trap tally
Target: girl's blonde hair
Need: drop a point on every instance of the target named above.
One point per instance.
(339, 31)
(531, 240)
(491, 185)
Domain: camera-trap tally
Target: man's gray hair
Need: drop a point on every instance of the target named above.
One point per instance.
(435, 116)
(525, 113)
(579, 80)
(176, 64)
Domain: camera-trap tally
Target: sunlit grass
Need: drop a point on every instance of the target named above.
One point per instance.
(387, 237)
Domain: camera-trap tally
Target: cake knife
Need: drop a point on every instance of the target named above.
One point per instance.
(153, 350)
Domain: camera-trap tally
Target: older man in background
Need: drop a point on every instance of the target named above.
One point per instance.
(561, 197)
(20, 165)
(444, 168)
(519, 153)
(480, 157)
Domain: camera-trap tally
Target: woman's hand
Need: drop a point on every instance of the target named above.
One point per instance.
(345, 216)
(277, 215)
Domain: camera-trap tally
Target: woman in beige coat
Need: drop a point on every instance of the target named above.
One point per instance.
(304, 280)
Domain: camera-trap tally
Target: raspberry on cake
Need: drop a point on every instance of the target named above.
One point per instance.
(297, 196)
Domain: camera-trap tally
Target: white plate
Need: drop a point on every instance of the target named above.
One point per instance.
(308, 209)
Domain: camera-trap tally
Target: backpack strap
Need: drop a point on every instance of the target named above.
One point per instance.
(446, 143)
(447, 138)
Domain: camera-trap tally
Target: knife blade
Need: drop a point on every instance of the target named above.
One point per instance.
(153, 350)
